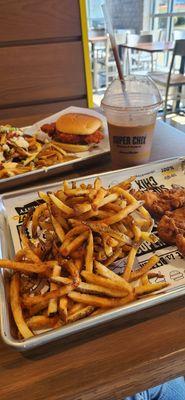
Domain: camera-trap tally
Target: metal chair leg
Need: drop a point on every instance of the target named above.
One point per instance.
(165, 104)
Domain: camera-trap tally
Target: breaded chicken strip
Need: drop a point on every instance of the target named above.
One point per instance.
(158, 203)
(171, 228)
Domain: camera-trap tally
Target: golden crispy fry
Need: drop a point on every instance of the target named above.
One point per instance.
(105, 200)
(103, 270)
(16, 307)
(24, 267)
(62, 308)
(75, 307)
(149, 288)
(76, 231)
(97, 183)
(66, 249)
(144, 280)
(20, 255)
(42, 322)
(130, 263)
(44, 196)
(83, 186)
(82, 208)
(122, 214)
(75, 200)
(101, 193)
(104, 282)
(143, 270)
(141, 221)
(78, 254)
(37, 308)
(90, 288)
(100, 301)
(30, 254)
(61, 195)
(57, 228)
(82, 313)
(43, 299)
(84, 217)
(60, 204)
(128, 196)
(74, 271)
(101, 214)
(52, 306)
(89, 253)
(101, 227)
(107, 248)
(113, 207)
(111, 241)
(78, 263)
(113, 258)
(149, 237)
(58, 148)
(35, 217)
(137, 233)
(61, 279)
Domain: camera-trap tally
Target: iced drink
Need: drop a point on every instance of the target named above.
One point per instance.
(131, 114)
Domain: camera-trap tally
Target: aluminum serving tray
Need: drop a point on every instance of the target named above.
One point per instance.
(54, 170)
(164, 168)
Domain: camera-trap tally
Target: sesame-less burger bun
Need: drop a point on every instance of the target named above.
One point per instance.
(78, 124)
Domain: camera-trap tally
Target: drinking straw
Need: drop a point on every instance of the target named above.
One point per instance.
(113, 42)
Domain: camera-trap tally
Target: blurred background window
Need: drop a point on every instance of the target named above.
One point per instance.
(94, 13)
(168, 15)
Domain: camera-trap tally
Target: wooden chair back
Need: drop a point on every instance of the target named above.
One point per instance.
(179, 50)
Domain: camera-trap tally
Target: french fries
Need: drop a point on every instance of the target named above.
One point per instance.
(100, 301)
(76, 236)
(22, 153)
(16, 307)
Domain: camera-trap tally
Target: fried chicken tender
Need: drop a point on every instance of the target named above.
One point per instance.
(158, 203)
(171, 228)
(49, 128)
(93, 138)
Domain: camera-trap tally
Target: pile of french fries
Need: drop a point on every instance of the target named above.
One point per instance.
(18, 160)
(70, 242)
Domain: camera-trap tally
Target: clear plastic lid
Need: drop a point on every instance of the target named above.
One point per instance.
(135, 93)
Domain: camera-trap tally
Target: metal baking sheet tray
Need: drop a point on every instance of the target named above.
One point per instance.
(13, 205)
(82, 158)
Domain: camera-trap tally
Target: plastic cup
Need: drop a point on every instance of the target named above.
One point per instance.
(131, 109)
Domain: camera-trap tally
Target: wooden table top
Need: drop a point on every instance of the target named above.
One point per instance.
(154, 47)
(111, 361)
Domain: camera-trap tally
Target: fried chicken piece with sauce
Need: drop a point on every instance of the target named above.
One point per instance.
(159, 203)
(171, 228)
(49, 128)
